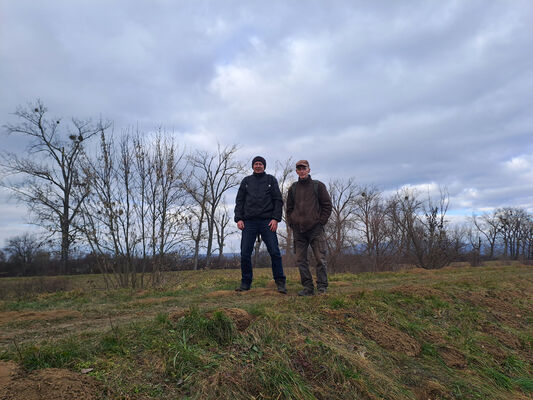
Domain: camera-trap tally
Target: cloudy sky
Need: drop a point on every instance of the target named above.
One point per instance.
(420, 93)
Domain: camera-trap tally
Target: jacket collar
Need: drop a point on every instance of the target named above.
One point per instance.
(306, 180)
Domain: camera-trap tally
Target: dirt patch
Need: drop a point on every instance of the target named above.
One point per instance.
(302, 364)
(8, 370)
(431, 390)
(258, 291)
(503, 337)
(509, 295)
(422, 271)
(271, 284)
(50, 384)
(17, 316)
(419, 291)
(388, 337)
(453, 358)
(178, 314)
(222, 293)
(433, 337)
(502, 310)
(339, 283)
(152, 300)
(241, 318)
(494, 350)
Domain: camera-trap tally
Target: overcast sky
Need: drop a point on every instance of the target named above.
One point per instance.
(392, 93)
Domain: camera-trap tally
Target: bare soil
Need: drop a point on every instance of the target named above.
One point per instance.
(388, 336)
(49, 384)
(15, 316)
(503, 311)
(452, 357)
(58, 328)
(504, 337)
(254, 291)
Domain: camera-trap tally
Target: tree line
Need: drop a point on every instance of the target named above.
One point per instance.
(132, 206)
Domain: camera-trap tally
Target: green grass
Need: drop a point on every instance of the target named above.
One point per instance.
(295, 348)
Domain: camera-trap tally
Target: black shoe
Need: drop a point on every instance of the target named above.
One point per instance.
(281, 287)
(306, 292)
(242, 288)
(321, 290)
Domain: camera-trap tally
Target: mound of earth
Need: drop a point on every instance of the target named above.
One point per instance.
(49, 384)
(7, 371)
(179, 313)
(503, 311)
(452, 357)
(503, 337)
(388, 336)
(222, 293)
(241, 318)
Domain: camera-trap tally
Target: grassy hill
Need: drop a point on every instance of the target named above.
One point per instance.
(455, 333)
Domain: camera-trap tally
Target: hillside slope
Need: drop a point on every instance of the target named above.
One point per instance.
(455, 333)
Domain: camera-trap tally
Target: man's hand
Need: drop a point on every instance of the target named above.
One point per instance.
(240, 225)
(273, 225)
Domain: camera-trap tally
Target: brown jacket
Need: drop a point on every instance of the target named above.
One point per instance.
(305, 208)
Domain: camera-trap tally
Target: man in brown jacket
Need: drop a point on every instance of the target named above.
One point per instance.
(308, 209)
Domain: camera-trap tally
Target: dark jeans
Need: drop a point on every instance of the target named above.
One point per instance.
(252, 228)
(315, 237)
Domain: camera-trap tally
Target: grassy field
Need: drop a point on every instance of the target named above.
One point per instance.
(455, 333)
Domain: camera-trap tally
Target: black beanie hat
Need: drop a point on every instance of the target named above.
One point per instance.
(260, 159)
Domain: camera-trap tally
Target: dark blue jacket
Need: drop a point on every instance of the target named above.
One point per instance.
(258, 197)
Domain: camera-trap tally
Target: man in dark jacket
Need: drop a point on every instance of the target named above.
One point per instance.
(308, 209)
(258, 208)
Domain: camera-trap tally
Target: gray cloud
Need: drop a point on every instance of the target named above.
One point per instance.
(391, 93)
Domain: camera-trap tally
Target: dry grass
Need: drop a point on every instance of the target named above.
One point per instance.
(454, 333)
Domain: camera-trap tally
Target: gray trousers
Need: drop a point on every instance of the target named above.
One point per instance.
(315, 237)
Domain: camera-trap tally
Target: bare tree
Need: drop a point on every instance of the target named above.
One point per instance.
(214, 174)
(488, 225)
(374, 225)
(431, 244)
(474, 239)
(343, 195)
(22, 250)
(513, 228)
(108, 214)
(404, 208)
(223, 230)
(195, 222)
(133, 217)
(53, 187)
(284, 171)
(166, 201)
(196, 213)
